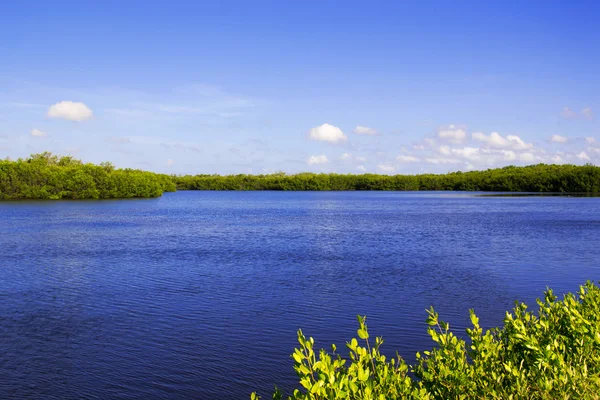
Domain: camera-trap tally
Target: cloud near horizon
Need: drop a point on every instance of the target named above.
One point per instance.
(559, 139)
(497, 141)
(319, 159)
(452, 134)
(586, 113)
(364, 130)
(38, 133)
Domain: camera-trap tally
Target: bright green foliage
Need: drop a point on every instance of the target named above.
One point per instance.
(551, 354)
(534, 178)
(46, 176)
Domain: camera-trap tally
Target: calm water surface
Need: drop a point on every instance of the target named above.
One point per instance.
(199, 294)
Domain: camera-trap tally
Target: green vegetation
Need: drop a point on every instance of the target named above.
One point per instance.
(552, 355)
(535, 178)
(46, 176)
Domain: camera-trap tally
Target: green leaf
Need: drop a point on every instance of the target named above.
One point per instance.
(363, 334)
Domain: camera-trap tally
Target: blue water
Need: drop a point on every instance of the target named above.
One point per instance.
(199, 294)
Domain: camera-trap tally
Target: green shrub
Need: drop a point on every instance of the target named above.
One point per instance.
(551, 354)
(46, 176)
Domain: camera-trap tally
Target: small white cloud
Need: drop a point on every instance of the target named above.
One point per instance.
(557, 159)
(327, 133)
(349, 158)
(587, 113)
(568, 113)
(70, 111)
(364, 130)
(37, 133)
(170, 163)
(320, 159)
(436, 161)
(497, 141)
(361, 168)
(583, 156)
(445, 150)
(559, 139)
(386, 167)
(427, 143)
(590, 140)
(452, 134)
(407, 159)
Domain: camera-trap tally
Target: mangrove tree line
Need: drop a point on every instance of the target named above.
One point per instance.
(534, 178)
(47, 176)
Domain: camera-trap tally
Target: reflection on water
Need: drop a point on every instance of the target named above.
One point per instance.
(199, 294)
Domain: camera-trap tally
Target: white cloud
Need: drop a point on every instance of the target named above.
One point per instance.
(476, 156)
(427, 143)
(452, 134)
(320, 159)
(37, 133)
(557, 159)
(590, 140)
(350, 158)
(432, 160)
(70, 111)
(509, 155)
(386, 167)
(586, 113)
(364, 130)
(361, 168)
(170, 163)
(445, 150)
(527, 157)
(583, 156)
(407, 159)
(559, 139)
(568, 113)
(497, 141)
(470, 153)
(327, 133)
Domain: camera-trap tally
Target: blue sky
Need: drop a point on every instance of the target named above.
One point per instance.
(255, 87)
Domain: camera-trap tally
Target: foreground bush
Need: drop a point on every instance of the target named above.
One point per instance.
(551, 354)
(46, 176)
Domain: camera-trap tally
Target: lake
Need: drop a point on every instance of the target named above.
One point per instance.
(199, 294)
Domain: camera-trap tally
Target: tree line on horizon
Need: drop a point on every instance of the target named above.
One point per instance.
(47, 176)
(533, 178)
